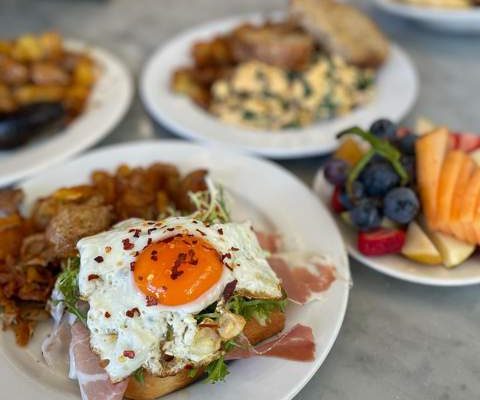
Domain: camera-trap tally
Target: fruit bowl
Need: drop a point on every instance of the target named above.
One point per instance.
(408, 205)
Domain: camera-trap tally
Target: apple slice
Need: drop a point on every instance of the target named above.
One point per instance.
(446, 187)
(457, 228)
(418, 246)
(452, 250)
(430, 150)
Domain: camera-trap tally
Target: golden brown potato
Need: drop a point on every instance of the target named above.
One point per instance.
(27, 48)
(48, 73)
(28, 94)
(213, 53)
(84, 73)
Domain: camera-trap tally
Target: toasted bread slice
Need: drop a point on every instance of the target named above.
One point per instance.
(154, 387)
(342, 30)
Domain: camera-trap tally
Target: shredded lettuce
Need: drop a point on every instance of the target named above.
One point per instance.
(217, 371)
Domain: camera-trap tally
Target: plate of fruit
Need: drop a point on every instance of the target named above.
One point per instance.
(407, 204)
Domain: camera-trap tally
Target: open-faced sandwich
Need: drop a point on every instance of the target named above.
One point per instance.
(318, 63)
(43, 85)
(150, 283)
(412, 193)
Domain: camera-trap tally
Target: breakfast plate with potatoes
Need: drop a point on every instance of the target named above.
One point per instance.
(57, 97)
(279, 85)
(407, 201)
(138, 269)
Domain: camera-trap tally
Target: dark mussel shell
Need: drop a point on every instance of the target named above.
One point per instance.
(19, 127)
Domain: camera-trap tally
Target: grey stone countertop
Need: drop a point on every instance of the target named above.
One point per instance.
(399, 340)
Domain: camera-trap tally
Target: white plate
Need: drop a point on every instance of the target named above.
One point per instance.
(397, 87)
(395, 265)
(108, 102)
(259, 188)
(459, 21)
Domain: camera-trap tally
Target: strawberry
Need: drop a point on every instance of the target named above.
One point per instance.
(381, 241)
(335, 200)
(466, 141)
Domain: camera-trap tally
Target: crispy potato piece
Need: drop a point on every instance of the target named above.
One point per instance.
(12, 72)
(105, 184)
(193, 182)
(52, 45)
(27, 48)
(72, 222)
(28, 94)
(184, 82)
(11, 236)
(10, 200)
(76, 98)
(84, 73)
(48, 73)
(213, 53)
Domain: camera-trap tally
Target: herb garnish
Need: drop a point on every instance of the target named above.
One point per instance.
(139, 375)
(255, 308)
(67, 283)
(211, 204)
(217, 370)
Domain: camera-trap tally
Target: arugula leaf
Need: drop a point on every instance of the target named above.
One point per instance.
(67, 283)
(255, 308)
(211, 206)
(192, 373)
(217, 371)
(139, 375)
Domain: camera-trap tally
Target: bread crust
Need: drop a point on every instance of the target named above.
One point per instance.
(343, 30)
(154, 387)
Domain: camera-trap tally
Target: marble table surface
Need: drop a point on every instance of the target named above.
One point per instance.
(399, 340)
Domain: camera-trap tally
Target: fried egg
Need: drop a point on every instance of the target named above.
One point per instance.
(145, 281)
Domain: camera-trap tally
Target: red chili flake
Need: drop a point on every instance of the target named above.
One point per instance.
(132, 266)
(140, 278)
(229, 289)
(191, 257)
(131, 313)
(188, 367)
(127, 245)
(201, 232)
(108, 249)
(136, 232)
(224, 256)
(104, 363)
(129, 354)
(234, 249)
(149, 241)
(98, 259)
(154, 256)
(151, 230)
(170, 229)
(151, 301)
(168, 240)
(195, 222)
(168, 357)
(91, 277)
(107, 314)
(220, 231)
(176, 273)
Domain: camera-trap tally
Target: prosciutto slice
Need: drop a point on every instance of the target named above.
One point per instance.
(92, 378)
(296, 344)
(303, 277)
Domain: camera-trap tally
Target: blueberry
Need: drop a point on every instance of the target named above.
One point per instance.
(365, 215)
(409, 163)
(378, 178)
(406, 144)
(357, 190)
(401, 205)
(384, 129)
(336, 171)
(345, 200)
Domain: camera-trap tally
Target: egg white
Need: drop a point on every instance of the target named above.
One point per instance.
(115, 292)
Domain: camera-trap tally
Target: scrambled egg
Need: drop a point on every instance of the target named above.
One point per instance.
(267, 97)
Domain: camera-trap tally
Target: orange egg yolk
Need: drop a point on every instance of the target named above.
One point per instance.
(177, 270)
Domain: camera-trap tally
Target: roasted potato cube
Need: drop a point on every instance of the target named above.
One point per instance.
(76, 98)
(212, 53)
(11, 236)
(84, 73)
(27, 48)
(28, 94)
(12, 72)
(105, 184)
(48, 73)
(52, 45)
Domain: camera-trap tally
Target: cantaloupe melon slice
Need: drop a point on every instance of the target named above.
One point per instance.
(470, 200)
(455, 226)
(446, 187)
(430, 150)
